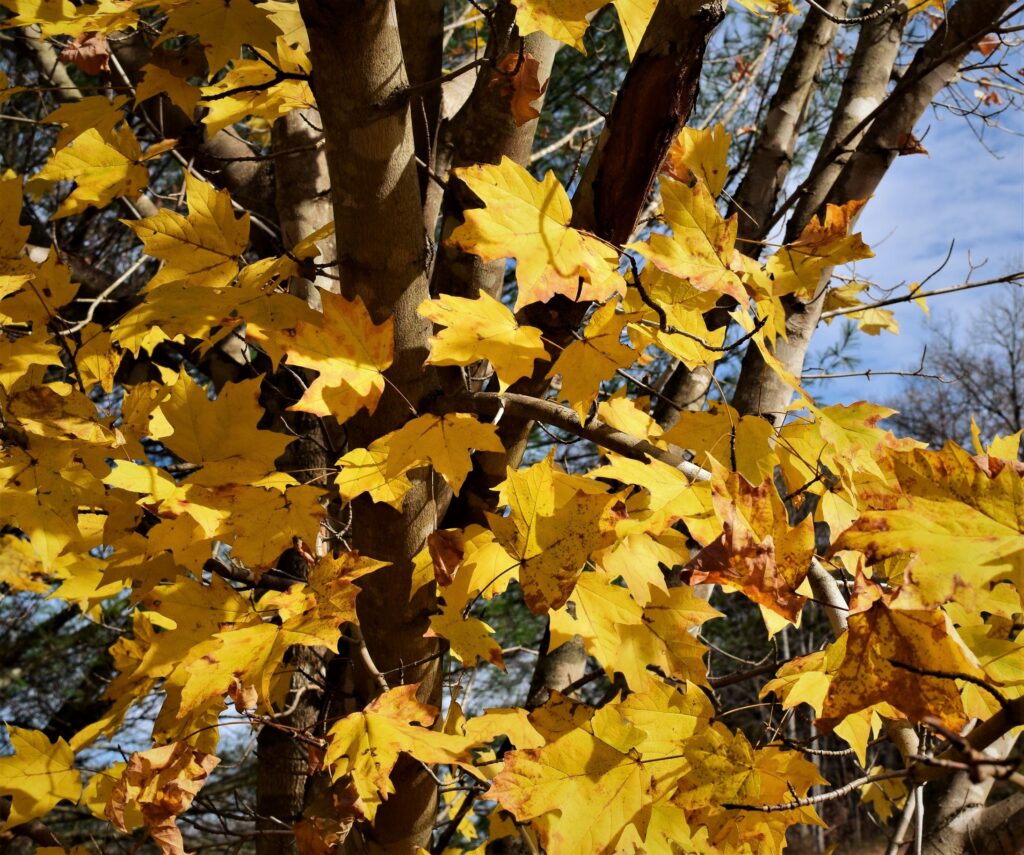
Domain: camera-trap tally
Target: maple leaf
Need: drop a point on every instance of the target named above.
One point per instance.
(89, 51)
(797, 267)
(626, 638)
(366, 745)
(445, 441)
(204, 247)
(162, 783)
(961, 524)
(702, 244)
(349, 351)
(37, 776)
(95, 112)
(222, 27)
(700, 154)
(528, 220)
(722, 433)
(758, 552)
(564, 20)
(549, 541)
(470, 638)
(593, 358)
(881, 639)
(519, 79)
(102, 171)
(247, 93)
(482, 329)
(219, 435)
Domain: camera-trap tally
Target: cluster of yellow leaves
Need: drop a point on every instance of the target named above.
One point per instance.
(932, 538)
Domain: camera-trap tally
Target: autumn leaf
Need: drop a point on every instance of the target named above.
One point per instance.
(469, 637)
(550, 542)
(366, 745)
(445, 441)
(593, 358)
(519, 78)
(961, 525)
(222, 28)
(700, 154)
(482, 329)
(89, 51)
(204, 247)
(162, 783)
(349, 351)
(882, 640)
(758, 552)
(702, 244)
(37, 776)
(528, 220)
(564, 20)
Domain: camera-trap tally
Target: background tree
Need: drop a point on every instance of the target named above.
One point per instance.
(266, 456)
(981, 377)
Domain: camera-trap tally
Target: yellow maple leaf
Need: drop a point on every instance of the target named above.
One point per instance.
(350, 352)
(961, 524)
(219, 435)
(634, 16)
(222, 27)
(593, 358)
(720, 432)
(626, 638)
(564, 20)
(247, 81)
(369, 470)
(160, 81)
(446, 442)
(161, 783)
(702, 244)
(469, 637)
(550, 541)
(20, 569)
(528, 220)
(366, 744)
(95, 112)
(701, 154)
(629, 753)
(479, 329)
(204, 247)
(101, 171)
(39, 774)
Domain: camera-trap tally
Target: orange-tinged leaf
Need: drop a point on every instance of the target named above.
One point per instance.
(204, 247)
(759, 552)
(550, 542)
(961, 525)
(881, 636)
(349, 351)
(520, 79)
(797, 267)
(701, 154)
(39, 774)
(528, 220)
(162, 783)
(479, 329)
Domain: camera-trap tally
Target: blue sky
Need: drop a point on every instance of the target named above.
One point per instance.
(961, 190)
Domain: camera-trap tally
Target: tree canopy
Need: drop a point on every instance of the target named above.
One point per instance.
(357, 355)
